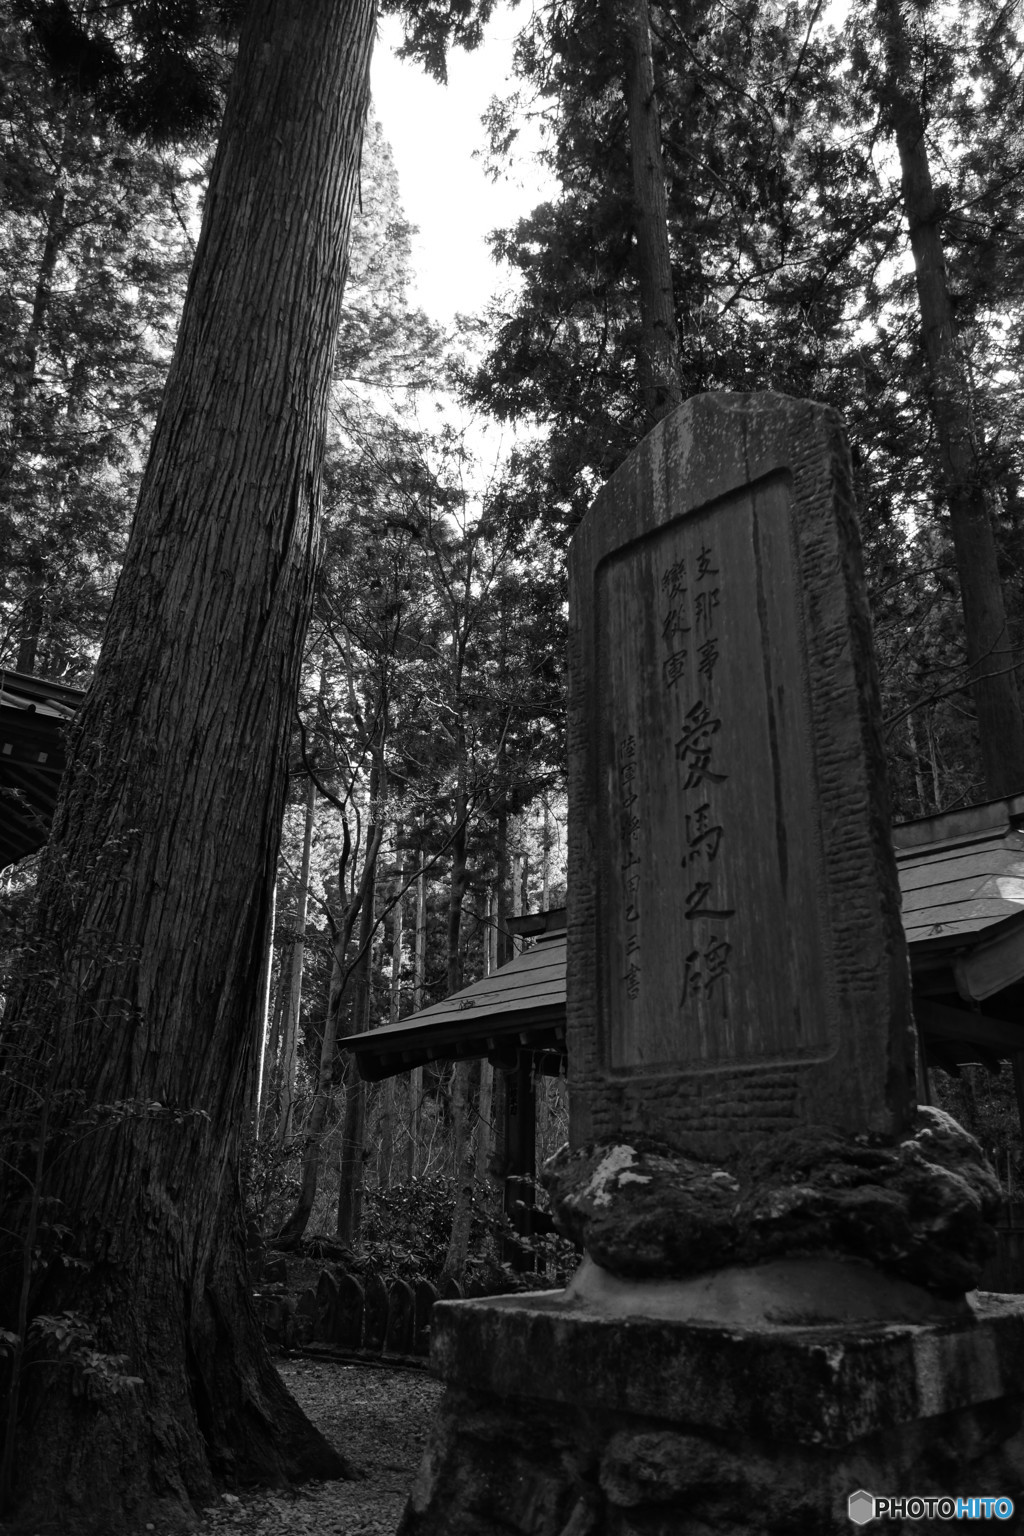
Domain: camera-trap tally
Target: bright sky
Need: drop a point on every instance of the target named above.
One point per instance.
(433, 131)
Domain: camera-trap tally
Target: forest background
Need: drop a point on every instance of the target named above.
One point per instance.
(838, 215)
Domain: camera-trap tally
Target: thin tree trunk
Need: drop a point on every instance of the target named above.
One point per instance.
(353, 1140)
(155, 894)
(491, 932)
(483, 1123)
(989, 650)
(397, 948)
(30, 619)
(458, 1243)
(418, 987)
(294, 1228)
(293, 1010)
(505, 950)
(25, 378)
(420, 957)
(465, 1171)
(915, 759)
(503, 954)
(263, 1066)
(545, 864)
(460, 878)
(390, 1085)
(22, 428)
(272, 1099)
(659, 346)
(485, 1090)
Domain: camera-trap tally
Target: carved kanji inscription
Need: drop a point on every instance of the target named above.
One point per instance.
(736, 959)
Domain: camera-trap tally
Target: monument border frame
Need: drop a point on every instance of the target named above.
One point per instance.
(711, 448)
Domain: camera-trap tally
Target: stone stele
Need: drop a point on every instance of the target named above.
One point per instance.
(737, 965)
(771, 1318)
(739, 1010)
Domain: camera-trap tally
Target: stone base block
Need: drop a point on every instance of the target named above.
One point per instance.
(563, 1420)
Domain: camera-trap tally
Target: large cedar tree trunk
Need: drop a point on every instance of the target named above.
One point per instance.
(156, 891)
(989, 652)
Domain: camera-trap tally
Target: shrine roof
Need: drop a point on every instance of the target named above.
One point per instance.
(33, 714)
(520, 1004)
(962, 879)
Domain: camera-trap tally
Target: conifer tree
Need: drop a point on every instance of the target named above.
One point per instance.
(93, 262)
(129, 1041)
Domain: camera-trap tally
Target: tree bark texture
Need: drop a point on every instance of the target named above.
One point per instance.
(353, 1138)
(503, 950)
(659, 338)
(989, 651)
(293, 1005)
(390, 1086)
(26, 378)
(460, 874)
(270, 1095)
(266, 1026)
(418, 989)
(294, 1228)
(465, 1172)
(483, 1124)
(156, 891)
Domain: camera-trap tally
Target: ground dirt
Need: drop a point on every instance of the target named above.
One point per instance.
(376, 1416)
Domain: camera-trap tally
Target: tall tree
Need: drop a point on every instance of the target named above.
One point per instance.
(155, 896)
(951, 398)
(93, 263)
(785, 229)
(659, 341)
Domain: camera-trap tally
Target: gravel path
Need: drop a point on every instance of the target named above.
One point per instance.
(379, 1419)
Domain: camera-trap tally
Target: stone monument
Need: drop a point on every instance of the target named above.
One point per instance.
(770, 1316)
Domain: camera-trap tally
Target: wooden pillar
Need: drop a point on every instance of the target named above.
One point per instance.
(1017, 1062)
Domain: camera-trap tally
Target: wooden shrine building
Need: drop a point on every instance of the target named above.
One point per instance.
(33, 715)
(962, 880)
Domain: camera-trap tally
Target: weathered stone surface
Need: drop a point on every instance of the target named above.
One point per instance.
(398, 1336)
(537, 1471)
(557, 1421)
(325, 1321)
(808, 1385)
(807, 1292)
(348, 1325)
(425, 1299)
(274, 1271)
(922, 1208)
(255, 1251)
(304, 1320)
(375, 1314)
(276, 1314)
(643, 1466)
(737, 965)
(492, 1483)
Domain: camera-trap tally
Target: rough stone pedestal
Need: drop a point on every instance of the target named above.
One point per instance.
(568, 1415)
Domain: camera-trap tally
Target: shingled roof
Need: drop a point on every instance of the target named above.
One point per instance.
(521, 1004)
(962, 879)
(33, 715)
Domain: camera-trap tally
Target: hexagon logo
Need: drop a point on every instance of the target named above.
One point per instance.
(861, 1507)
